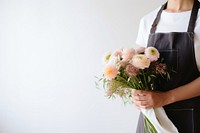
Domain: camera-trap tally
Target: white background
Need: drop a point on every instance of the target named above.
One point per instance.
(50, 51)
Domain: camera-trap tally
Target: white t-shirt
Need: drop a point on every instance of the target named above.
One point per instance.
(169, 22)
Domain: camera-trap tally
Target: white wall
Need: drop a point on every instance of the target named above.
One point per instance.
(50, 51)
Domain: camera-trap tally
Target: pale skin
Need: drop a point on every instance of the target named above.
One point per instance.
(149, 99)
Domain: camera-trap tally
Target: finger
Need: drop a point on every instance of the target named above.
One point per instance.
(140, 98)
(141, 95)
(138, 92)
(135, 92)
(140, 103)
(138, 107)
(135, 105)
(144, 107)
(147, 106)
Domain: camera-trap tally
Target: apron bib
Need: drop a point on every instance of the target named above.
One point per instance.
(177, 50)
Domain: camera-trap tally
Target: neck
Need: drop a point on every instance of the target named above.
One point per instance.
(179, 5)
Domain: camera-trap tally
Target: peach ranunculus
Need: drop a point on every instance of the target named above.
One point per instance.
(140, 61)
(114, 60)
(110, 71)
(152, 53)
(140, 50)
(128, 54)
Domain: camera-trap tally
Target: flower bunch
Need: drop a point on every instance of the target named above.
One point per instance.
(128, 69)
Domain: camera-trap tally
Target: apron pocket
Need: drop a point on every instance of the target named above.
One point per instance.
(171, 58)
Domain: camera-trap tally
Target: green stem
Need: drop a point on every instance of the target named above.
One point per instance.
(150, 125)
(145, 81)
(145, 127)
(122, 78)
(139, 85)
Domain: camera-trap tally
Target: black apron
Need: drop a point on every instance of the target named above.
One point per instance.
(177, 49)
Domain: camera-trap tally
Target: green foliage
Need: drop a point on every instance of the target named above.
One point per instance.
(123, 84)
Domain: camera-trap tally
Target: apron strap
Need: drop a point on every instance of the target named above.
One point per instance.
(155, 22)
(192, 21)
(193, 17)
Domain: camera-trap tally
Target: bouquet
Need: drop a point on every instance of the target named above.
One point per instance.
(128, 69)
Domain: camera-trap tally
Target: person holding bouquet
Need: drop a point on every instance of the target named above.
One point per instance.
(174, 29)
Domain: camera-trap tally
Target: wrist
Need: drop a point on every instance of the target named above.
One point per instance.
(169, 97)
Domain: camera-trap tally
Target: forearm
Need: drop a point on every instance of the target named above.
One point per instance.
(149, 99)
(184, 92)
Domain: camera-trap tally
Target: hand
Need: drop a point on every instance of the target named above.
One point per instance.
(150, 99)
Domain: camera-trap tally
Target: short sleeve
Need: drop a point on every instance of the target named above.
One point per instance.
(144, 28)
(140, 40)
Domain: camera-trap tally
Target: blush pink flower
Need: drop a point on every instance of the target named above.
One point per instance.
(128, 54)
(131, 70)
(118, 53)
(123, 63)
(140, 61)
(152, 53)
(110, 71)
(140, 50)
